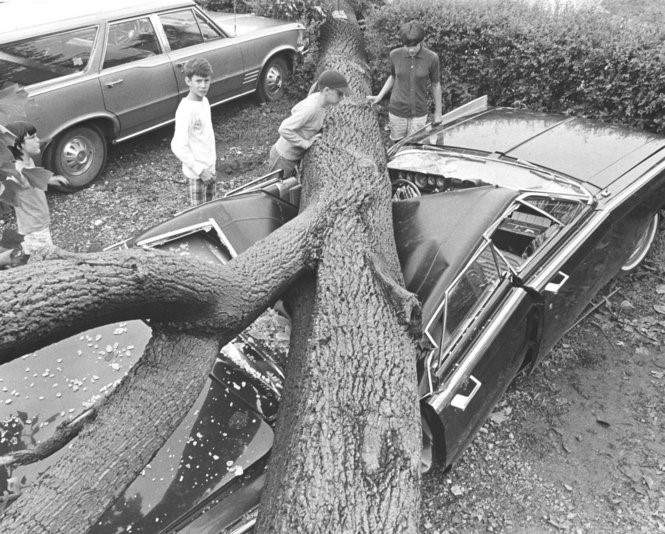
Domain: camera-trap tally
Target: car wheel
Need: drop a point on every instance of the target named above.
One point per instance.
(273, 80)
(643, 245)
(78, 154)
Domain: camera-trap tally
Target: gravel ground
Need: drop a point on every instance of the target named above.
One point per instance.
(576, 447)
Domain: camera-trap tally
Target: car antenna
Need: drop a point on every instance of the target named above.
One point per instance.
(235, 19)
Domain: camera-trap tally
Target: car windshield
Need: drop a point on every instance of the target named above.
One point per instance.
(441, 171)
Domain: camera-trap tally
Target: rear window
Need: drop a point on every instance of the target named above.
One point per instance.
(45, 58)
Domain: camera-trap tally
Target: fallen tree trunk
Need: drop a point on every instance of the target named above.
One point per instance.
(347, 451)
(346, 456)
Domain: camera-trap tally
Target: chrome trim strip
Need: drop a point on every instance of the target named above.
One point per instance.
(141, 132)
(180, 232)
(473, 357)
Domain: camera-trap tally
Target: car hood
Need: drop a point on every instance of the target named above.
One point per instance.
(242, 24)
(592, 152)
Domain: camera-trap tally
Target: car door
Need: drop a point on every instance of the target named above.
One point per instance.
(137, 78)
(191, 35)
(486, 325)
(594, 255)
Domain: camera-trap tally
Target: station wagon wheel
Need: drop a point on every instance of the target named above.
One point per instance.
(273, 80)
(643, 245)
(78, 154)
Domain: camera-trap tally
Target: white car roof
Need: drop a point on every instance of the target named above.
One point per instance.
(27, 18)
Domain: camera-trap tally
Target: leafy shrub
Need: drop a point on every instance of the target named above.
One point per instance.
(580, 62)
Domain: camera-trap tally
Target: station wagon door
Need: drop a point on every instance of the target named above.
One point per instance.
(486, 326)
(137, 78)
(190, 35)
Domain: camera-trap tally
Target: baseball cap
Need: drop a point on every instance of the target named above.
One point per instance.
(333, 80)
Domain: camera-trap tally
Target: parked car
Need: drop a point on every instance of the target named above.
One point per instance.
(99, 73)
(507, 223)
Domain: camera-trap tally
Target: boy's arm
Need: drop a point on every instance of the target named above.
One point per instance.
(180, 142)
(288, 128)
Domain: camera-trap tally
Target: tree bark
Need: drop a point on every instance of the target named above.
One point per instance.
(347, 450)
(346, 456)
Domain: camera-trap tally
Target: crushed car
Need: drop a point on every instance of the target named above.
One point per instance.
(507, 222)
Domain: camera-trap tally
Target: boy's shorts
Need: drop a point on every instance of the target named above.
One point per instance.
(400, 127)
(32, 242)
(276, 162)
(200, 192)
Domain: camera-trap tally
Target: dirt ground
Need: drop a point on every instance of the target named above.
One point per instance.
(576, 447)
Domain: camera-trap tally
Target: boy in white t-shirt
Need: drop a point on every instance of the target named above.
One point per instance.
(194, 139)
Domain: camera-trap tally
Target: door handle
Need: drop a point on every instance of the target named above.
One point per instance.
(114, 82)
(553, 286)
(460, 401)
(181, 65)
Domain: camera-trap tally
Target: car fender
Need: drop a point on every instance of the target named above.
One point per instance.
(105, 118)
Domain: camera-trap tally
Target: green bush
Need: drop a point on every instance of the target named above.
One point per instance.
(580, 62)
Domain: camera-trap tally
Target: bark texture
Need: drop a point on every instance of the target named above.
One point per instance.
(347, 451)
(346, 457)
(196, 308)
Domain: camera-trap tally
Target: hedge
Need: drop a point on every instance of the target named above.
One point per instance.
(577, 62)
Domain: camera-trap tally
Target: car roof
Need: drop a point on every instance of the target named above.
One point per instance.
(25, 18)
(437, 234)
(591, 151)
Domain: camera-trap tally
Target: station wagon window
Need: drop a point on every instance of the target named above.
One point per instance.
(130, 40)
(185, 28)
(45, 58)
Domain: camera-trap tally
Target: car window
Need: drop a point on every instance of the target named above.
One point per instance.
(45, 58)
(463, 298)
(532, 223)
(184, 28)
(130, 40)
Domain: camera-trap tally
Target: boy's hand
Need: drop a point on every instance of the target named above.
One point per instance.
(207, 176)
(373, 99)
(314, 139)
(56, 179)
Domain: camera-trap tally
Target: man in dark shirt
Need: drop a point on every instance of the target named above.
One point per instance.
(411, 67)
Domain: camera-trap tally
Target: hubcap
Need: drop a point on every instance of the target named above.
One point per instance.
(274, 81)
(77, 155)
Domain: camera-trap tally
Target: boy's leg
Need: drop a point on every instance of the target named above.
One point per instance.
(211, 188)
(197, 191)
(276, 162)
(398, 126)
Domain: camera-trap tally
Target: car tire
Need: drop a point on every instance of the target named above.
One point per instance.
(273, 80)
(78, 154)
(643, 245)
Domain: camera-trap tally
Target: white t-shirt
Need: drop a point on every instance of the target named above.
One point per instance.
(194, 139)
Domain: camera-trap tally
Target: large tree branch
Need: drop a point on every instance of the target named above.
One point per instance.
(101, 288)
(70, 496)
